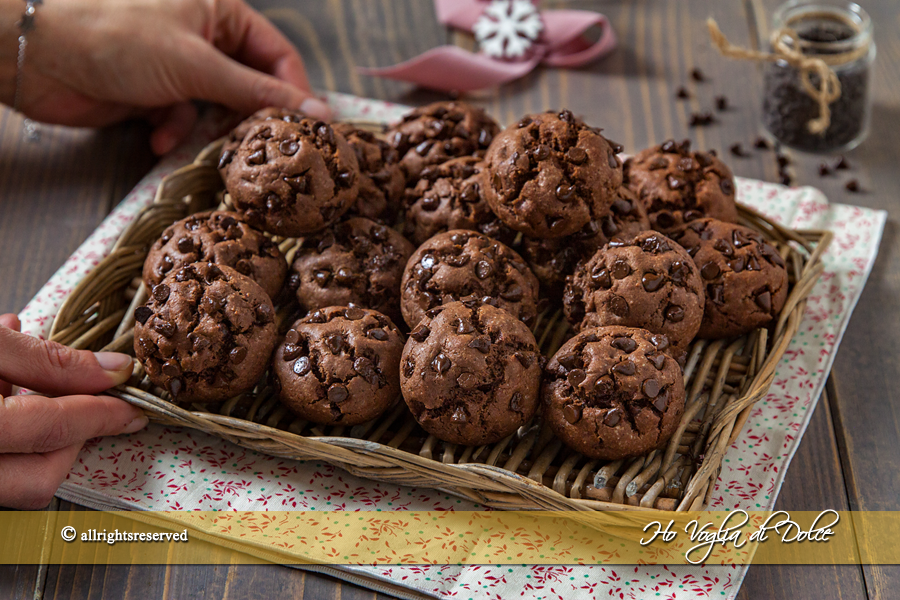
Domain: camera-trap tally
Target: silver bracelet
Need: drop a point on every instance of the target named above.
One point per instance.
(30, 129)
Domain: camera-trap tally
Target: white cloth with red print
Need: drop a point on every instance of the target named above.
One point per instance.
(180, 469)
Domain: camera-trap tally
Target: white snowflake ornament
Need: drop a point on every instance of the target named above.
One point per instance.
(508, 28)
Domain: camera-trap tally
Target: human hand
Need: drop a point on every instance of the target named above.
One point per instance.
(39, 436)
(96, 62)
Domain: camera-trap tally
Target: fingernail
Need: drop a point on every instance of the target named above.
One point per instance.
(316, 108)
(113, 361)
(136, 424)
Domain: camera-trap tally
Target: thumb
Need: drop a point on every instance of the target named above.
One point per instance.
(221, 79)
(55, 369)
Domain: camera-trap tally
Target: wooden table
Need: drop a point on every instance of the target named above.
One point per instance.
(53, 194)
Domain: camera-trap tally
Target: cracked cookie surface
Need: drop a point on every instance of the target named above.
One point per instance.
(549, 175)
(647, 281)
(613, 392)
(449, 196)
(471, 375)
(471, 267)
(677, 185)
(434, 133)
(744, 276)
(220, 237)
(339, 365)
(381, 179)
(292, 178)
(357, 261)
(205, 334)
(552, 260)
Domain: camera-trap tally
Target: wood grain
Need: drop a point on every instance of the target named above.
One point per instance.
(54, 194)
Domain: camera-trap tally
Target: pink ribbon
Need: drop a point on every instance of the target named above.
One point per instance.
(562, 43)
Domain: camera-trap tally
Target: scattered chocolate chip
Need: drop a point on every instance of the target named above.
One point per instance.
(377, 334)
(164, 328)
(142, 313)
(526, 360)
(761, 143)
(674, 313)
(161, 293)
(658, 361)
(572, 413)
(852, 185)
(366, 369)
(660, 341)
(660, 402)
(612, 161)
(171, 368)
(626, 367)
(175, 387)
(619, 306)
(620, 269)
(710, 270)
(463, 327)
(764, 301)
(625, 344)
(575, 377)
(612, 418)
(652, 281)
(264, 314)
(669, 146)
(338, 393)
(565, 193)
(335, 343)
(716, 293)
(576, 155)
(354, 313)
(482, 344)
(441, 364)
(651, 388)
(601, 278)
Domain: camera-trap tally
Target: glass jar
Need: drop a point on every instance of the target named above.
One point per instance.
(841, 34)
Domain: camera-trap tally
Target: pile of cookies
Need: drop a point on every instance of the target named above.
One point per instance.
(461, 234)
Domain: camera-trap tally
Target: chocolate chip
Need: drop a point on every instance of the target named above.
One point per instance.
(674, 313)
(377, 334)
(335, 343)
(291, 351)
(737, 264)
(612, 161)
(463, 326)
(652, 281)
(565, 193)
(526, 360)
(841, 164)
(288, 147)
(483, 269)
(338, 393)
(459, 239)
(142, 313)
(852, 185)
(612, 418)
(764, 301)
(515, 403)
(459, 415)
(576, 155)
(761, 144)
(421, 333)
(651, 388)
(542, 152)
(710, 270)
(625, 344)
(572, 413)
(620, 269)
(299, 184)
(619, 306)
(441, 364)
(716, 293)
(467, 381)
(264, 314)
(344, 277)
(625, 367)
(569, 361)
(354, 313)
(686, 164)
(482, 344)
(674, 182)
(669, 147)
(171, 368)
(257, 158)
(660, 402)
(225, 159)
(601, 278)
(682, 93)
(366, 368)
(660, 341)
(575, 377)
(164, 328)
(161, 293)
(752, 264)
(679, 272)
(658, 361)
(727, 186)
(423, 148)
(175, 387)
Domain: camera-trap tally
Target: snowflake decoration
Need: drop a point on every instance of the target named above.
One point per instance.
(507, 28)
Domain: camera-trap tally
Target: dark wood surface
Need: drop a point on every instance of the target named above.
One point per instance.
(53, 194)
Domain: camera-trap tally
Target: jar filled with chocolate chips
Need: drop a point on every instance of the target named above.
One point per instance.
(840, 35)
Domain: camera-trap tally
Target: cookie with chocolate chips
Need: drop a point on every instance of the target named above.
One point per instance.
(744, 276)
(236, 136)
(339, 365)
(647, 281)
(552, 260)
(357, 261)
(550, 175)
(471, 375)
(219, 237)
(434, 133)
(292, 178)
(381, 180)
(205, 334)
(448, 196)
(612, 392)
(470, 267)
(677, 185)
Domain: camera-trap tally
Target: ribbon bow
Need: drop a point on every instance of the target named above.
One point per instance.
(561, 43)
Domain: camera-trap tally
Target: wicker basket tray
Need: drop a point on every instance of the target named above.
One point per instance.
(528, 470)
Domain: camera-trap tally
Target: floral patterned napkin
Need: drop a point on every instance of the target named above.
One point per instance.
(165, 468)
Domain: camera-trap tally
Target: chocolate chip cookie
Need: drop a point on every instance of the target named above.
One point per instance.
(550, 175)
(220, 237)
(471, 267)
(205, 334)
(292, 178)
(744, 276)
(236, 136)
(647, 281)
(381, 180)
(339, 365)
(676, 185)
(552, 260)
(357, 262)
(431, 134)
(471, 375)
(611, 392)
(448, 196)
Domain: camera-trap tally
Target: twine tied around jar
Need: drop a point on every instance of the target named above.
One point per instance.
(786, 46)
